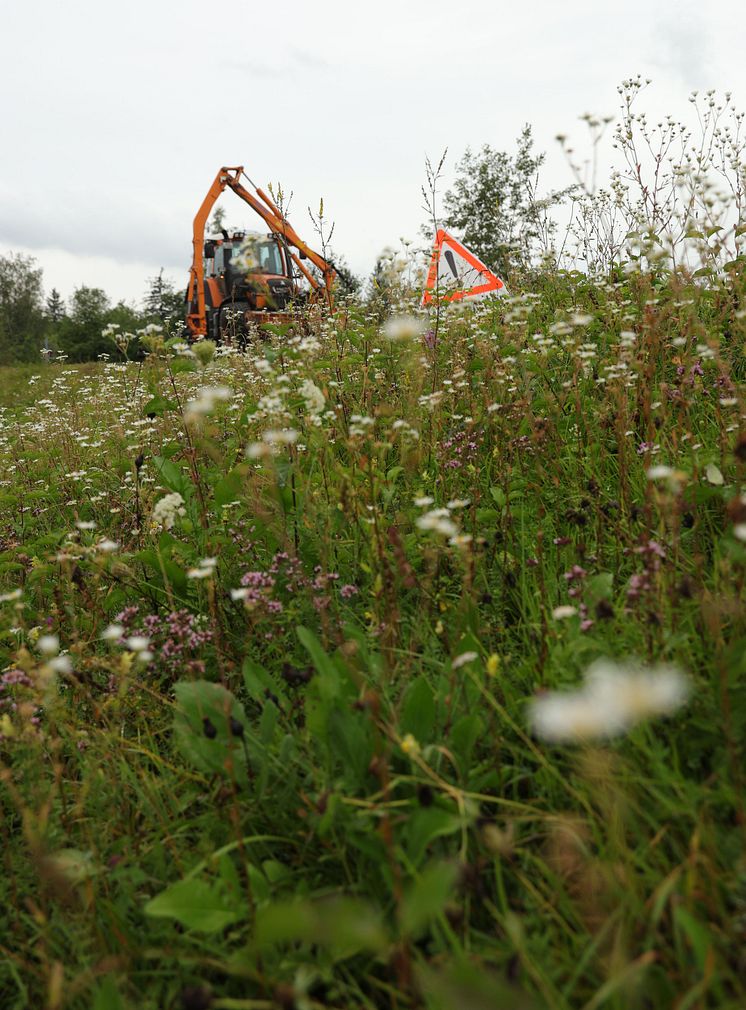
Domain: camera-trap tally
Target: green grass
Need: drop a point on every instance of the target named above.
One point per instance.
(326, 793)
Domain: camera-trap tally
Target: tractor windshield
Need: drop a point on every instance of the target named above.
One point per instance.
(269, 258)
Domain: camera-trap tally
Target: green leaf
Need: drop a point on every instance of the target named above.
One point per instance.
(348, 734)
(696, 933)
(329, 681)
(106, 995)
(159, 405)
(599, 587)
(427, 898)
(200, 700)
(342, 925)
(196, 904)
(258, 682)
(229, 488)
(424, 826)
(172, 476)
(418, 711)
(464, 735)
(463, 985)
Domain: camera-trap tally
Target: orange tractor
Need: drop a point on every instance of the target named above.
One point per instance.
(239, 278)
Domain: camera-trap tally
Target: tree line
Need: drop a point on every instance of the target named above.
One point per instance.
(31, 321)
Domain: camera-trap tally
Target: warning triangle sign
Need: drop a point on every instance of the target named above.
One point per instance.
(456, 274)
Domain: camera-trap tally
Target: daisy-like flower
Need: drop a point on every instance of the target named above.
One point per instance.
(613, 699)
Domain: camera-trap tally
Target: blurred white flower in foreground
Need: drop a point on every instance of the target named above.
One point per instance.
(561, 613)
(204, 570)
(167, 509)
(206, 399)
(314, 398)
(613, 699)
(439, 521)
(403, 328)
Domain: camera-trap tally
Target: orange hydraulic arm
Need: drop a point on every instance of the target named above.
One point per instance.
(275, 221)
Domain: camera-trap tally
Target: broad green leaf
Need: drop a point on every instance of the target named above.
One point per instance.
(229, 488)
(200, 706)
(329, 681)
(172, 476)
(106, 995)
(424, 826)
(464, 735)
(159, 405)
(342, 925)
(196, 904)
(418, 711)
(427, 897)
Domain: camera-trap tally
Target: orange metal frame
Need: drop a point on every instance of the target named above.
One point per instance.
(277, 224)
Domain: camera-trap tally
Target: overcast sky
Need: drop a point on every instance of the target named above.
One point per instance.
(116, 117)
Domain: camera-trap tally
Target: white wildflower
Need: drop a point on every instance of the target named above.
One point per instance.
(112, 633)
(739, 531)
(660, 472)
(205, 569)
(563, 612)
(167, 510)
(463, 659)
(424, 501)
(314, 398)
(459, 503)
(61, 664)
(613, 699)
(14, 594)
(206, 399)
(137, 643)
(438, 521)
(48, 645)
(106, 546)
(401, 328)
(276, 436)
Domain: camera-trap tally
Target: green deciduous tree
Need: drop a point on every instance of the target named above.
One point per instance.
(495, 208)
(89, 312)
(21, 309)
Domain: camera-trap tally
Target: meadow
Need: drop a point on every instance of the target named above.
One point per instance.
(392, 662)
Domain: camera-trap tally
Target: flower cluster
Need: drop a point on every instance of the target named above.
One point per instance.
(167, 510)
(175, 642)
